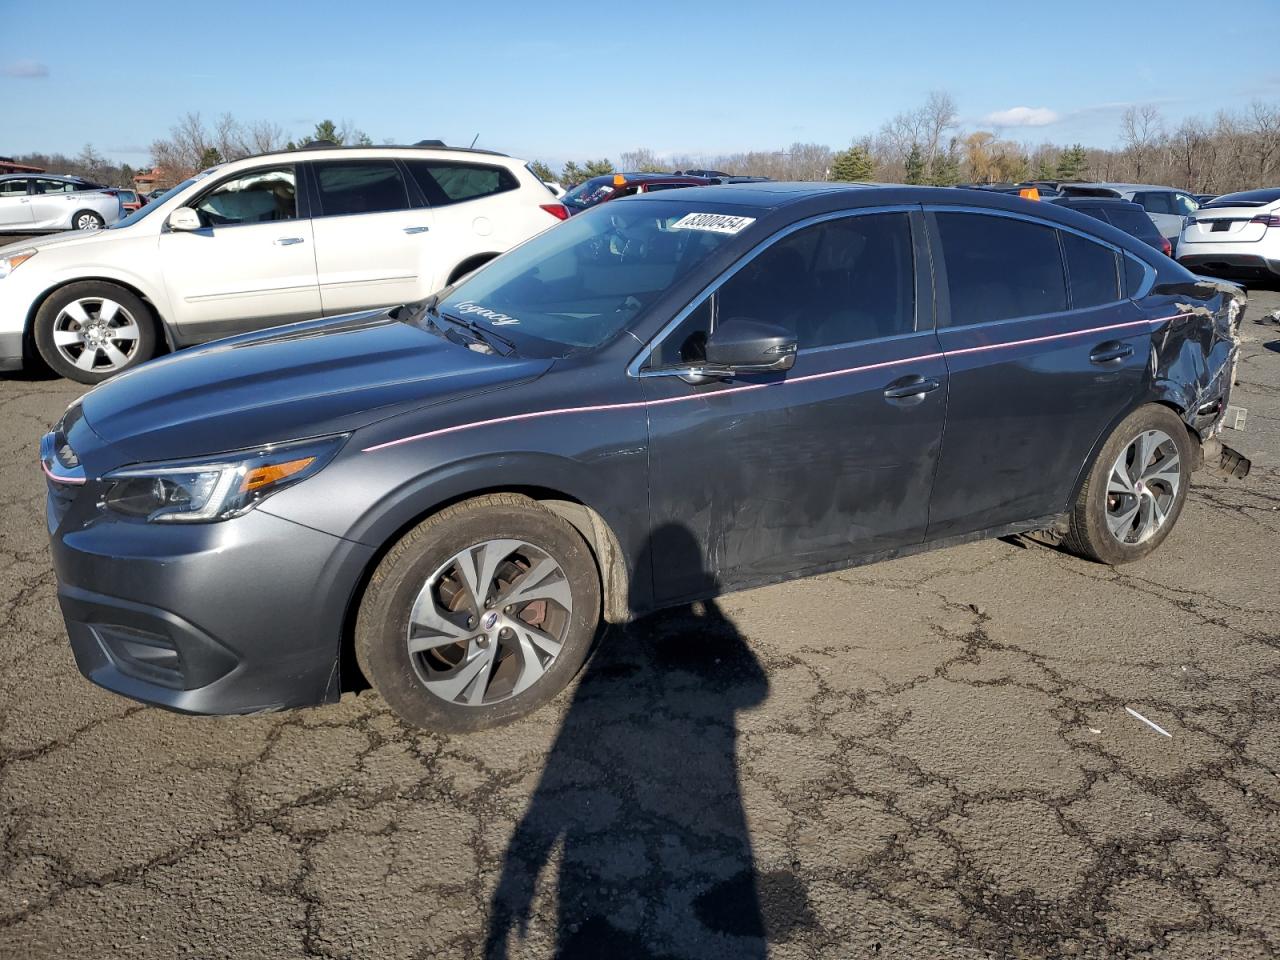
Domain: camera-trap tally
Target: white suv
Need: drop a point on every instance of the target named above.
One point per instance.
(264, 241)
(1236, 236)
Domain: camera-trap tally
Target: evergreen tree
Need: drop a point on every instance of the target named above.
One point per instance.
(915, 165)
(852, 165)
(1072, 163)
(541, 170)
(210, 158)
(326, 130)
(1045, 170)
(946, 168)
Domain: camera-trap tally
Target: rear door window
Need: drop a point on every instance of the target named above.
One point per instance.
(55, 186)
(360, 186)
(1091, 268)
(13, 188)
(1156, 201)
(1133, 222)
(444, 182)
(999, 267)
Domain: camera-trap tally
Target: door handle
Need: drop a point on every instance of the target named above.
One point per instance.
(913, 387)
(288, 241)
(416, 229)
(1110, 351)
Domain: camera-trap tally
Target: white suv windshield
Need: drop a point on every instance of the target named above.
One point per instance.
(582, 281)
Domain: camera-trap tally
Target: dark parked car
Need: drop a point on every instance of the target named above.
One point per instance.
(615, 186)
(1122, 214)
(670, 397)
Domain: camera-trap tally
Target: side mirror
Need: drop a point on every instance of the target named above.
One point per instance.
(742, 345)
(184, 218)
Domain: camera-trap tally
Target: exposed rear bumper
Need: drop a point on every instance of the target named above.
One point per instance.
(1242, 266)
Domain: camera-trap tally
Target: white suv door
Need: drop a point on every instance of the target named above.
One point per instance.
(371, 241)
(15, 205)
(251, 265)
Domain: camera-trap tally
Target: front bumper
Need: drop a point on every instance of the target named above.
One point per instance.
(11, 355)
(241, 616)
(1235, 266)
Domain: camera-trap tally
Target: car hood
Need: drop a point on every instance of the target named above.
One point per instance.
(68, 238)
(303, 380)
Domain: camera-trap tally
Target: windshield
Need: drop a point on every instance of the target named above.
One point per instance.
(579, 283)
(150, 208)
(588, 193)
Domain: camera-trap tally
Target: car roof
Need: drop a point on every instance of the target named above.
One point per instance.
(373, 150)
(1067, 200)
(1119, 186)
(1264, 196)
(797, 200)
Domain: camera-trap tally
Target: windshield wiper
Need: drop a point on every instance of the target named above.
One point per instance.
(483, 334)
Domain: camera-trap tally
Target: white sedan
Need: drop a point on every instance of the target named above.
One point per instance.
(1236, 236)
(34, 203)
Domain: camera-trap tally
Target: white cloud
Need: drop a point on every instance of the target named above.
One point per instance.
(26, 69)
(1022, 117)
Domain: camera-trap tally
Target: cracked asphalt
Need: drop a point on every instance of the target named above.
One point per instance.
(925, 758)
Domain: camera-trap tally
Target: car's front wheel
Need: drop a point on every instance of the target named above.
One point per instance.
(90, 331)
(479, 615)
(1136, 489)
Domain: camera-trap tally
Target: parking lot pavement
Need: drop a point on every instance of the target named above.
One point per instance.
(925, 758)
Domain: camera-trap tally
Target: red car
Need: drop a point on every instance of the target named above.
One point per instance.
(130, 200)
(614, 185)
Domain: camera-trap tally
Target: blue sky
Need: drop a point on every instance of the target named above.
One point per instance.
(549, 82)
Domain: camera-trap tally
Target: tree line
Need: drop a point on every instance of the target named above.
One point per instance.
(1231, 150)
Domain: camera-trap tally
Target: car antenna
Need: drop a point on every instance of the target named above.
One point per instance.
(473, 141)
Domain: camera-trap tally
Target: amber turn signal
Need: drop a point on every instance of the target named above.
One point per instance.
(260, 477)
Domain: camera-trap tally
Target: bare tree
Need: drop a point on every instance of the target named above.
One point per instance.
(1140, 130)
(939, 118)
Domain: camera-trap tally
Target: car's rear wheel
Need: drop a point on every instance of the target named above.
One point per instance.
(479, 615)
(90, 331)
(1136, 489)
(88, 220)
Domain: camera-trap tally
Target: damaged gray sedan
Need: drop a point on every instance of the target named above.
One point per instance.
(668, 397)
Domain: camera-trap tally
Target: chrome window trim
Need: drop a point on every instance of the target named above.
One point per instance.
(638, 361)
(1148, 277)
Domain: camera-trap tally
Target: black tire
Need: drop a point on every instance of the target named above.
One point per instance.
(382, 624)
(468, 267)
(82, 218)
(144, 346)
(1088, 533)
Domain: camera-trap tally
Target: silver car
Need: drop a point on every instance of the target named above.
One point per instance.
(34, 203)
(1167, 207)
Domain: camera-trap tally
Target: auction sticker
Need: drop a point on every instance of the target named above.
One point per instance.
(713, 222)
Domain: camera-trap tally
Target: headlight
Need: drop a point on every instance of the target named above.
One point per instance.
(215, 488)
(12, 261)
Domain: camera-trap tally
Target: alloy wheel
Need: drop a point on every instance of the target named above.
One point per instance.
(489, 622)
(87, 221)
(1143, 487)
(96, 334)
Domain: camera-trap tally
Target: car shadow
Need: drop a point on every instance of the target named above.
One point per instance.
(639, 812)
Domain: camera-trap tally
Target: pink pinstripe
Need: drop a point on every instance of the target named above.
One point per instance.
(597, 408)
(57, 479)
